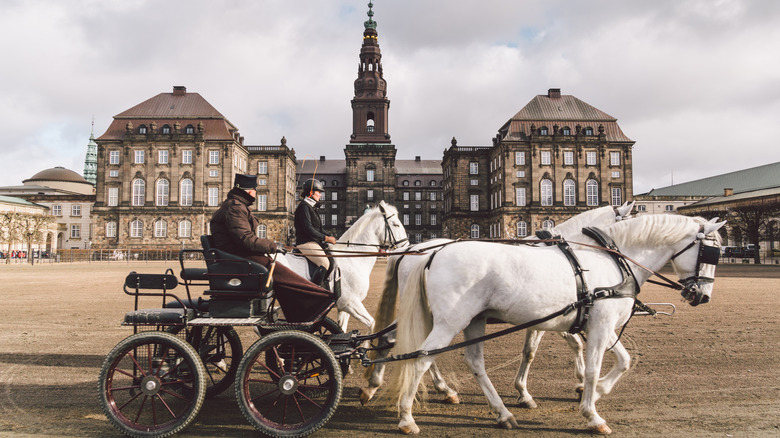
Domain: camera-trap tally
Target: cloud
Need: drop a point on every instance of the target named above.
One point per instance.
(689, 81)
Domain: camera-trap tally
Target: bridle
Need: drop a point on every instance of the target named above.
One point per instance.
(389, 236)
(709, 255)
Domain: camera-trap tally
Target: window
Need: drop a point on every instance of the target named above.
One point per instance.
(163, 192)
(213, 173)
(520, 196)
(417, 183)
(568, 158)
(588, 131)
(334, 219)
(473, 168)
(614, 158)
(160, 228)
(520, 158)
(617, 196)
(520, 174)
(566, 130)
(185, 228)
(548, 224)
(186, 156)
(543, 130)
(113, 157)
(569, 193)
(185, 197)
(405, 183)
(166, 129)
(590, 158)
(213, 196)
(75, 231)
(262, 203)
(474, 202)
(433, 218)
(113, 173)
(432, 196)
(406, 219)
(418, 219)
(546, 158)
(433, 184)
(139, 192)
(322, 218)
(162, 156)
(139, 157)
(546, 192)
(369, 125)
(136, 228)
(262, 231)
(616, 174)
(111, 229)
(370, 195)
(56, 210)
(418, 196)
(369, 174)
(75, 210)
(113, 196)
(592, 192)
(142, 129)
(213, 157)
(406, 196)
(474, 231)
(189, 129)
(641, 207)
(474, 182)
(522, 229)
(669, 208)
(262, 181)
(262, 167)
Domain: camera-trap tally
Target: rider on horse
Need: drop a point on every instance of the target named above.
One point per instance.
(310, 238)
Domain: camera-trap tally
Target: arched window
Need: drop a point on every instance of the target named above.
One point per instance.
(543, 130)
(547, 224)
(136, 228)
(546, 192)
(334, 183)
(417, 182)
(111, 229)
(163, 192)
(405, 183)
(569, 193)
(370, 171)
(185, 228)
(588, 131)
(160, 228)
(592, 192)
(370, 122)
(262, 231)
(522, 229)
(474, 231)
(185, 197)
(566, 130)
(189, 129)
(142, 129)
(139, 191)
(166, 129)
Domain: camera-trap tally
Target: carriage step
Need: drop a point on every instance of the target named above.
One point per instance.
(228, 321)
(158, 316)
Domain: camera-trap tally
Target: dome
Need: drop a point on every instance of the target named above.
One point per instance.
(60, 174)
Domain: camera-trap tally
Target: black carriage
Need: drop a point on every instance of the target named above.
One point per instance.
(288, 383)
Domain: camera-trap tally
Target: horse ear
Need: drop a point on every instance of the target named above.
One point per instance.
(713, 225)
(382, 206)
(625, 209)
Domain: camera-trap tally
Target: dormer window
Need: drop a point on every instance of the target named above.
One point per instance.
(566, 130)
(543, 130)
(588, 131)
(189, 129)
(166, 129)
(142, 129)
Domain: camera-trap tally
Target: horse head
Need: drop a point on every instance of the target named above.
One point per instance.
(394, 235)
(695, 263)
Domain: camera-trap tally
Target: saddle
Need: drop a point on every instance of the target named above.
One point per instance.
(329, 279)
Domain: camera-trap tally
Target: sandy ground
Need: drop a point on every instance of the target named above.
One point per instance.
(711, 371)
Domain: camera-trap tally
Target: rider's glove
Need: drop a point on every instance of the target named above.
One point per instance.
(280, 249)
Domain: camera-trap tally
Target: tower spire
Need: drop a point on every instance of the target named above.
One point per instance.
(370, 24)
(90, 162)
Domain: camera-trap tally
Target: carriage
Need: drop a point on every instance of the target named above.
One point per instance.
(289, 382)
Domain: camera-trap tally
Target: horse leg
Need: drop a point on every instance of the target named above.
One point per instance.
(476, 361)
(343, 319)
(622, 364)
(376, 372)
(594, 355)
(532, 339)
(575, 342)
(451, 396)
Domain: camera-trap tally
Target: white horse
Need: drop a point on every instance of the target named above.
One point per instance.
(377, 227)
(521, 284)
(399, 267)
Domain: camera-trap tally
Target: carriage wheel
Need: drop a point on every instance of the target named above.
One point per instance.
(152, 384)
(289, 384)
(324, 327)
(220, 350)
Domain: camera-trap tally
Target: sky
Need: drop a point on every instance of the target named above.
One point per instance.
(695, 83)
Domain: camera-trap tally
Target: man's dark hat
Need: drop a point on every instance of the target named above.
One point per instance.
(245, 182)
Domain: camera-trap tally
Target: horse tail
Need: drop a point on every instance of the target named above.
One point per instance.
(385, 313)
(415, 323)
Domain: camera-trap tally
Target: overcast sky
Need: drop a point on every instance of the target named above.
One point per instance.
(696, 83)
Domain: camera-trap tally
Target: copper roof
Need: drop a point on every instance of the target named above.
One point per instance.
(564, 110)
(57, 174)
(169, 108)
(741, 181)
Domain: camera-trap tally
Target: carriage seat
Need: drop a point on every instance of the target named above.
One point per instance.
(148, 284)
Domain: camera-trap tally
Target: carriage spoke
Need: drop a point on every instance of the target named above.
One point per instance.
(168, 408)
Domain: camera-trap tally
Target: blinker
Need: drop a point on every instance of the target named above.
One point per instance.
(709, 255)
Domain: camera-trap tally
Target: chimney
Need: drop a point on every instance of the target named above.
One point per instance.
(728, 192)
(417, 158)
(554, 93)
(322, 157)
(179, 90)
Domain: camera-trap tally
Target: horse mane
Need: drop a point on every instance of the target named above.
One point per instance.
(577, 222)
(656, 229)
(364, 222)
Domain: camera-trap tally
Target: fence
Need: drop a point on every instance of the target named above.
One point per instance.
(108, 255)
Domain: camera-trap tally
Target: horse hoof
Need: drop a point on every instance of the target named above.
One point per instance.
(527, 404)
(365, 396)
(452, 399)
(579, 390)
(509, 423)
(601, 429)
(410, 429)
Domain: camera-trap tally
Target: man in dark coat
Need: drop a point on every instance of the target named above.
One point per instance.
(310, 238)
(233, 230)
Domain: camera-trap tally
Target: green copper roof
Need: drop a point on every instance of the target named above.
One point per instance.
(370, 24)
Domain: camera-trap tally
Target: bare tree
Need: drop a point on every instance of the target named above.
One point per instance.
(25, 227)
(754, 222)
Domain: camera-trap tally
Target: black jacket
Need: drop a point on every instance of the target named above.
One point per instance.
(308, 226)
(233, 227)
